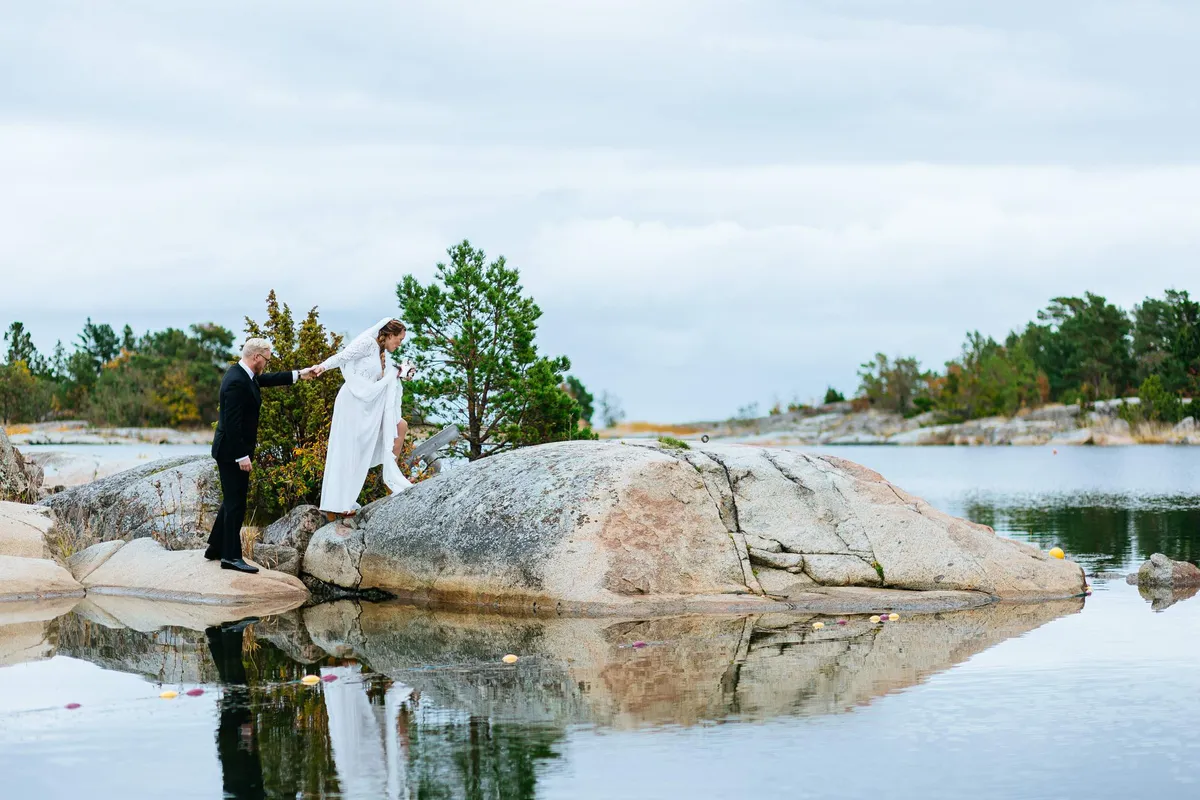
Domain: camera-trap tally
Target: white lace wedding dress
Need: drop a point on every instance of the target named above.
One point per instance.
(365, 415)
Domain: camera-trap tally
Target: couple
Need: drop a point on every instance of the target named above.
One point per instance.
(367, 429)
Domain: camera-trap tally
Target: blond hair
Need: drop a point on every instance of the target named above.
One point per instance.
(254, 346)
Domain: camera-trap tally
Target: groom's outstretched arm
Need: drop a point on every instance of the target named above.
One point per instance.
(268, 379)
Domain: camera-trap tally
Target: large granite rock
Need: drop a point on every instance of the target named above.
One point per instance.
(598, 526)
(1161, 572)
(19, 481)
(278, 557)
(87, 561)
(24, 530)
(295, 528)
(142, 568)
(173, 500)
(35, 579)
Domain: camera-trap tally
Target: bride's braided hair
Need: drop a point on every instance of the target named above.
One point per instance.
(393, 328)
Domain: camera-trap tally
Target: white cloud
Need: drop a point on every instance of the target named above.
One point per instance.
(779, 188)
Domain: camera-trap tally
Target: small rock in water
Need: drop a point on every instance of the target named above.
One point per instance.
(194, 692)
(169, 695)
(310, 680)
(510, 659)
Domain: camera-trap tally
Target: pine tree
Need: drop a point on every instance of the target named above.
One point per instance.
(471, 335)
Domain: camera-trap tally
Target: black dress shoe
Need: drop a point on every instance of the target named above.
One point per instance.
(212, 555)
(238, 564)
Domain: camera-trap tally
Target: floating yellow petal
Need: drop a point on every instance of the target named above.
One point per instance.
(893, 617)
(875, 618)
(169, 695)
(1056, 552)
(310, 680)
(509, 659)
(818, 625)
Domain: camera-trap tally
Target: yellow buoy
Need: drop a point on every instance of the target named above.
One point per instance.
(169, 695)
(1056, 552)
(818, 625)
(893, 617)
(509, 659)
(310, 680)
(875, 618)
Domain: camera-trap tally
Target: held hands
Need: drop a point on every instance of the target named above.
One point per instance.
(311, 372)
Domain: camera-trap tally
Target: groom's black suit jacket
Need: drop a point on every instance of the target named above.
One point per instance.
(237, 423)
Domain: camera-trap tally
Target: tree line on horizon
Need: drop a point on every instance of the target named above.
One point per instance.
(1079, 350)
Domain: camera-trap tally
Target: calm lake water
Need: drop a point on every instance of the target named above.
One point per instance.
(1095, 698)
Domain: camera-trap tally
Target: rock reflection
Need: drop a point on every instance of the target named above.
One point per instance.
(691, 669)
(237, 740)
(1161, 598)
(27, 632)
(421, 705)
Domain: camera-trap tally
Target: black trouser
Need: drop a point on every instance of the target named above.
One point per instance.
(226, 537)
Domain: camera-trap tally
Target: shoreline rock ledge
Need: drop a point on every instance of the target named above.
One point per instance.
(612, 526)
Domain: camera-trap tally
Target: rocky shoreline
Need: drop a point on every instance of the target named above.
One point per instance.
(78, 432)
(574, 528)
(840, 424)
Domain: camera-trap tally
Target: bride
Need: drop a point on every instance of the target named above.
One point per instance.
(367, 429)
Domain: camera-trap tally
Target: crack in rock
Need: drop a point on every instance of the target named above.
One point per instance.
(850, 515)
(736, 534)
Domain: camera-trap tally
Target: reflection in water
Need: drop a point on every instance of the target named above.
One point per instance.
(1101, 531)
(1161, 597)
(237, 745)
(420, 705)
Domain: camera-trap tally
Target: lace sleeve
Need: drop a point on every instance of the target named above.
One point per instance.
(361, 347)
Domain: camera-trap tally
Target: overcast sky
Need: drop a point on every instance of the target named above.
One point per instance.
(714, 203)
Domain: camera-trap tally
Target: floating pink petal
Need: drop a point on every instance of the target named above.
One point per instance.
(841, 622)
(639, 644)
(72, 706)
(194, 692)
(329, 678)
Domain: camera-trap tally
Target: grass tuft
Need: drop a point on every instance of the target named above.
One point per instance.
(673, 443)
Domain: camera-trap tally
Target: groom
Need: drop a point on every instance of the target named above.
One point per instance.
(234, 443)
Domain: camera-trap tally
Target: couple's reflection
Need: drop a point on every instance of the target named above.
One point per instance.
(237, 744)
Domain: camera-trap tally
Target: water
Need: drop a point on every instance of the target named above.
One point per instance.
(1074, 699)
